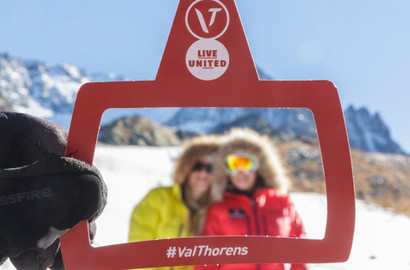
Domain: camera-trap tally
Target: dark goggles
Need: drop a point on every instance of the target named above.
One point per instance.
(199, 166)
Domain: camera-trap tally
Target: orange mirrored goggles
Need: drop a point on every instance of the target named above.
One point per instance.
(243, 162)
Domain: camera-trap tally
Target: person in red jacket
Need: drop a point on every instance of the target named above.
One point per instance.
(250, 194)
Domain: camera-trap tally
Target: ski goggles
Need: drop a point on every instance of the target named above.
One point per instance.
(243, 162)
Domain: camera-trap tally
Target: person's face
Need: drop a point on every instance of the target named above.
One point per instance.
(244, 181)
(242, 170)
(199, 179)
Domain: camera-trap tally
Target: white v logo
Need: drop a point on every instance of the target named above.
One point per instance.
(202, 20)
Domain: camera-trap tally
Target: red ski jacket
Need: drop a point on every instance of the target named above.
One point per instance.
(265, 213)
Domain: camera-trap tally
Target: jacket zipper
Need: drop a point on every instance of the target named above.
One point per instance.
(181, 227)
(255, 213)
(265, 224)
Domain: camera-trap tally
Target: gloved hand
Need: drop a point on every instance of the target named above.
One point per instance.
(42, 193)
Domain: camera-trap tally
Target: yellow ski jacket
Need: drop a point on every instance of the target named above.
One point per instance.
(162, 213)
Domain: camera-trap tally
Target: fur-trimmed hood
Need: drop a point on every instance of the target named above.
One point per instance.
(194, 150)
(241, 141)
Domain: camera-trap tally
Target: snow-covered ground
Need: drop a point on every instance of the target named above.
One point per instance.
(382, 238)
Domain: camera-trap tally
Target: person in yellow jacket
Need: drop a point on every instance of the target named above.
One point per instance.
(177, 210)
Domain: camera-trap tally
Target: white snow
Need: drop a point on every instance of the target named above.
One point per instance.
(382, 238)
(32, 105)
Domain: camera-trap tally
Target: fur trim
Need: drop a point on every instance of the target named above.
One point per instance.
(194, 150)
(240, 140)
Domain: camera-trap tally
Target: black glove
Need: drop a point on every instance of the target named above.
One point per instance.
(42, 193)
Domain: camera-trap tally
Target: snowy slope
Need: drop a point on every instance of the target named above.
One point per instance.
(381, 238)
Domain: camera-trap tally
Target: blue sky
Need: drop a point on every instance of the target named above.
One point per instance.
(362, 46)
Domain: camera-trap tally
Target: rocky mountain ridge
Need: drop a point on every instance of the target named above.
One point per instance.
(49, 91)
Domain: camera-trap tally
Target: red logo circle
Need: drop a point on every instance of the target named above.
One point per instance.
(207, 19)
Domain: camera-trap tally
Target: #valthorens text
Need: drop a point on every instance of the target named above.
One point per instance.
(205, 250)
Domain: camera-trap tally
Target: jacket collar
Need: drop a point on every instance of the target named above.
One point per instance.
(257, 193)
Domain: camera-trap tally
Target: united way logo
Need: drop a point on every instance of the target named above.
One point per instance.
(207, 59)
(207, 19)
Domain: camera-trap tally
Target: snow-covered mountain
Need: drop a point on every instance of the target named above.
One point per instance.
(49, 91)
(44, 90)
(369, 132)
(366, 131)
(292, 122)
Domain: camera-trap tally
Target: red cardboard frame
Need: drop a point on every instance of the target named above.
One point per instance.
(238, 86)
